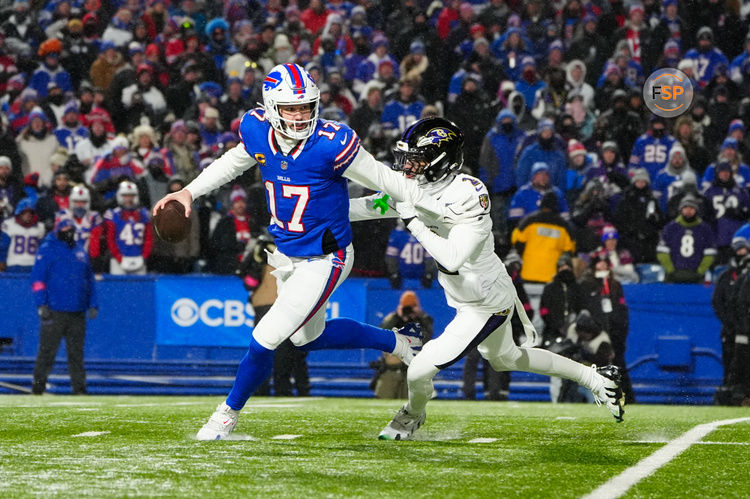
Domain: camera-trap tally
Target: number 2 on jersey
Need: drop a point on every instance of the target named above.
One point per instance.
(289, 191)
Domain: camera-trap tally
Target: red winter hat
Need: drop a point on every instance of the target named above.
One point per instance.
(31, 180)
(575, 148)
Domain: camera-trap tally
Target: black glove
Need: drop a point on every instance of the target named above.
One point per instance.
(93, 313)
(395, 280)
(44, 312)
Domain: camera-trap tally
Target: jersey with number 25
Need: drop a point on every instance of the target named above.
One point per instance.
(306, 194)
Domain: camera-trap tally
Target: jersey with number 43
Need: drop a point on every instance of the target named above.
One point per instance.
(128, 232)
(21, 243)
(306, 194)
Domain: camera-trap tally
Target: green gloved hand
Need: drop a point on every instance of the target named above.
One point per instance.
(381, 204)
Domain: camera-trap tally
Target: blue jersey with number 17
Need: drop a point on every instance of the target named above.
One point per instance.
(306, 194)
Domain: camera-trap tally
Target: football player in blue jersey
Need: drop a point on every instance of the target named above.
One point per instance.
(304, 162)
(475, 281)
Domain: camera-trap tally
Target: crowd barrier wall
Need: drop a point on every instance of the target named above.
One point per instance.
(673, 339)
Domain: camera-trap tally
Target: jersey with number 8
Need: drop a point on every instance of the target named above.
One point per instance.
(306, 194)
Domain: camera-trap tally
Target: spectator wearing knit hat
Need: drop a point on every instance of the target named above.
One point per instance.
(497, 169)
(698, 156)
(687, 246)
(11, 190)
(21, 27)
(591, 48)
(731, 207)
(677, 166)
(737, 131)
(651, 150)
(103, 69)
(37, 144)
(314, 17)
(541, 238)
(578, 163)
(143, 98)
(670, 27)
(70, 130)
(370, 66)
(620, 259)
(729, 153)
(231, 235)
(98, 143)
(118, 31)
(637, 32)
(179, 158)
(511, 50)
(706, 56)
(473, 114)
(529, 196)
(638, 217)
(50, 69)
(542, 149)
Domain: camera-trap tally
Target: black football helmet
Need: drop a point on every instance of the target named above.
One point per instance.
(430, 149)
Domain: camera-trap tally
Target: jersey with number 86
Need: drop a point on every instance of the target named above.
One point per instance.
(306, 194)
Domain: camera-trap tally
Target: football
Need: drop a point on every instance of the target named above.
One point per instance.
(170, 223)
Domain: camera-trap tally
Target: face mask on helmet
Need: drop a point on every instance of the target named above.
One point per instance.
(429, 150)
(127, 195)
(290, 85)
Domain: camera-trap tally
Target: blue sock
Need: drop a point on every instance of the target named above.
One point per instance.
(342, 334)
(253, 370)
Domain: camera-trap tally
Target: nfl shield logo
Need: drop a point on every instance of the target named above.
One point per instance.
(484, 201)
(284, 165)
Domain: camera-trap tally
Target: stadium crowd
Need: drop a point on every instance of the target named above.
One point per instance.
(108, 105)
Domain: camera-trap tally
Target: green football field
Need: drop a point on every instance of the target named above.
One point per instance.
(307, 448)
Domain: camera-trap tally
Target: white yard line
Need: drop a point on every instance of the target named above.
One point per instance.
(91, 434)
(285, 437)
(619, 485)
(13, 386)
(482, 440)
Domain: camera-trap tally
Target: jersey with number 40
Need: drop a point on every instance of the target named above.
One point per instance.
(306, 194)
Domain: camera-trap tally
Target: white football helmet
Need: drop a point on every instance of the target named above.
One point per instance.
(127, 188)
(81, 193)
(290, 84)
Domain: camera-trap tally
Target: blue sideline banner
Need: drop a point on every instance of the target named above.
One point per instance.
(214, 311)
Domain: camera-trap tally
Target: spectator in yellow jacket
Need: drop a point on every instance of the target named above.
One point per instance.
(541, 238)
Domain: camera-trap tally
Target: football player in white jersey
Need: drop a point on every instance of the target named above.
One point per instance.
(304, 162)
(476, 284)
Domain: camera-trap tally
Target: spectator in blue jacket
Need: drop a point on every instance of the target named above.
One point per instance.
(497, 169)
(528, 198)
(543, 150)
(62, 281)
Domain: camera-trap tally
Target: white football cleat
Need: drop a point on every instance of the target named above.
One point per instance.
(609, 391)
(403, 425)
(220, 424)
(408, 341)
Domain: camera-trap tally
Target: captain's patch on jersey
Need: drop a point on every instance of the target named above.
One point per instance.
(260, 158)
(484, 201)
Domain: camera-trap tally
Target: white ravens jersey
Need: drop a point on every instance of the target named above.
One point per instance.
(470, 272)
(24, 242)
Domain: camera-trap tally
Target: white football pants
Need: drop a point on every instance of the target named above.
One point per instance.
(304, 286)
(493, 335)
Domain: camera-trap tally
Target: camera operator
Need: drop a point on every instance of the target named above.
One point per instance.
(389, 381)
